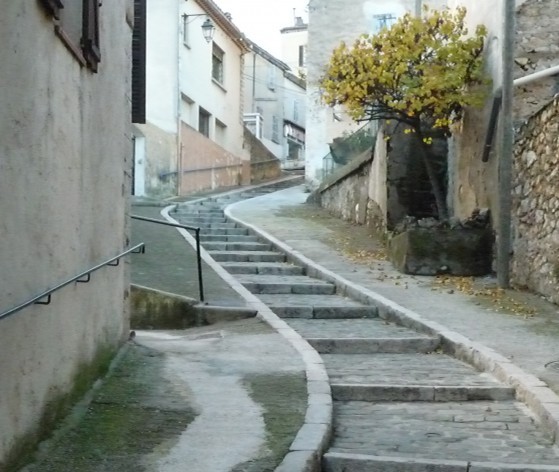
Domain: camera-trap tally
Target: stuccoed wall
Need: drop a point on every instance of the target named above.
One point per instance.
(65, 166)
(535, 263)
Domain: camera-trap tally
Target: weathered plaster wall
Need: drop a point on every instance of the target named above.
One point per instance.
(535, 263)
(206, 165)
(263, 164)
(64, 182)
(161, 164)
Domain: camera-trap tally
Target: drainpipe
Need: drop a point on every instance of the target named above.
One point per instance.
(506, 137)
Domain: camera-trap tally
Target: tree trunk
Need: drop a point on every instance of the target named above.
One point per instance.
(440, 197)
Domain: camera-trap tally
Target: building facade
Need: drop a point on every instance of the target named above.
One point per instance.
(64, 182)
(193, 135)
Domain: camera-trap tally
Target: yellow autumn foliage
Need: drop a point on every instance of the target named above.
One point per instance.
(420, 70)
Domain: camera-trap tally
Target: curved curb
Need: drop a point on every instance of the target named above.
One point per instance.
(530, 390)
(306, 450)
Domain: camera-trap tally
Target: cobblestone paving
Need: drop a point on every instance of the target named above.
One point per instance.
(472, 431)
(403, 369)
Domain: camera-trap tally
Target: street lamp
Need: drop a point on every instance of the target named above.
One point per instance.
(208, 28)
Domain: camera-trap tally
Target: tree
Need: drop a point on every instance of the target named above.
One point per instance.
(421, 72)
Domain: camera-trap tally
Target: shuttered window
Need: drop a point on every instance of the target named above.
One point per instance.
(76, 23)
(139, 63)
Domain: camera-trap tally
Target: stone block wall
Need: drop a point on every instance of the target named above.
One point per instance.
(535, 264)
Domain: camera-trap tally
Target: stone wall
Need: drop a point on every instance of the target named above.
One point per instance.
(263, 164)
(535, 263)
(345, 193)
(473, 183)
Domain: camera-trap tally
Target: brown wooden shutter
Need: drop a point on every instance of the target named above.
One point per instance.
(52, 6)
(139, 63)
(90, 38)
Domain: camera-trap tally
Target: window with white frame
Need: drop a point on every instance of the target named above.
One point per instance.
(218, 58)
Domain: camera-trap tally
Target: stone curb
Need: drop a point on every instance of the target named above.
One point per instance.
(339, 462)
(535, 393)
(306, 450)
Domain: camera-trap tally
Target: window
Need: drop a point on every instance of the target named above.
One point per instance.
(385, 20)
(217, 63)
(271, 77)
(296, 110)
(275, 129)
(139, 63)
(77, 25)
(204, 122)
(302, 55)
(220, 132)
(185, 31)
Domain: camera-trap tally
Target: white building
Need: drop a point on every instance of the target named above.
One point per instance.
(275, 106)
(294, 40)
(193, 135)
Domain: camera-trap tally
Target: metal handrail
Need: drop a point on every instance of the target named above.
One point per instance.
(497, 101)
(198, 256)
(83, 277)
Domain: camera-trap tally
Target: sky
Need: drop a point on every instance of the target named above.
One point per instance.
(261, 20)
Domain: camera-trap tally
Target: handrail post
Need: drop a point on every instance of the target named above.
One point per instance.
(199, 262)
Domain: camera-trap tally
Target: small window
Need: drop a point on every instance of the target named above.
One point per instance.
(272, 77)
(77, 25)
(218, 57)
(220, 132)
(302, 55)
(385, 20)
(204, 122)
(296, 110)
(275, 129)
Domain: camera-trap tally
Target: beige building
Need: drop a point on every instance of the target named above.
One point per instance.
(64, 183)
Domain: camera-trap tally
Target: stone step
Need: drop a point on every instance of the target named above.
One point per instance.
(373, 345)
(226, 231)
(403, 369)
(318, 307)
(296, 284)
(193, 219)
(247, 256)
(236, 246)
(372, 328)
(230, 238)
(419, 393)
(264, 268)
(198, 210)
(208, 225)
(474, 436)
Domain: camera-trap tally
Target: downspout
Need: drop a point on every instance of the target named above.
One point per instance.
(507, 144)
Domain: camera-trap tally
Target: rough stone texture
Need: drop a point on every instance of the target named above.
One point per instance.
(537, 46)
(535, 263)
(433, 251)
(472, 431)
(473, 182)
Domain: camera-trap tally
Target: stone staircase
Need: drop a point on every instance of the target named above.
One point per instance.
(399, 402)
